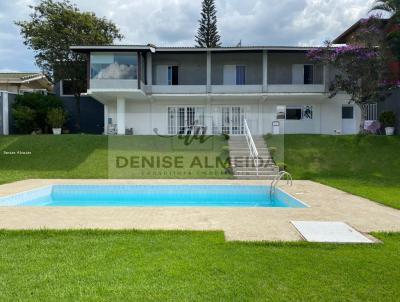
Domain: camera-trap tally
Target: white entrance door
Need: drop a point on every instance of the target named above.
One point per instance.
(232, 120)
(182, 119)
(348, 120)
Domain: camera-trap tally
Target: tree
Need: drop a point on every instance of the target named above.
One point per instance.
(361, 69)
(392, 7)
(207, 34)
(30, 111)
(54, 27)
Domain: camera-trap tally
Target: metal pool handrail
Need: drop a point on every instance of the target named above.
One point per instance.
(252, 146)
(276, 180)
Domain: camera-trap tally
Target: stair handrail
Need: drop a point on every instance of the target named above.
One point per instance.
(252, 146)
(278, 177)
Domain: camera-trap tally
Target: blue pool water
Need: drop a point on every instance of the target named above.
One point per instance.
(153, 196)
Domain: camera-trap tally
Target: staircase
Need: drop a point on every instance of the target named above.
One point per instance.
(243, 164)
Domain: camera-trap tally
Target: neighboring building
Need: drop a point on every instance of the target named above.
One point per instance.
(18, 82)
(392, 103)
(167, 90)
(14, 83)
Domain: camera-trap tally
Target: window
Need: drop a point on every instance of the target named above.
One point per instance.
(234, 75)
(347, 112)
(307, 112)
(173, 75)
(66, 87)
(302, 74)
(308, 74)
(119, 66)
(240, 75)
(294, 113)
(280, 112)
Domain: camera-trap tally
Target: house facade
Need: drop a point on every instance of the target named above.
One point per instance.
(392, 102)
(165, 90)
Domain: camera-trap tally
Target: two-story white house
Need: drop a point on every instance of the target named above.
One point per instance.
(170, 90)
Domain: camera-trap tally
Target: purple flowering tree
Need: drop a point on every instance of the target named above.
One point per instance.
(361, 68)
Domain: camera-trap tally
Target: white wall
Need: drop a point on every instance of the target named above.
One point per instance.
(260, 113)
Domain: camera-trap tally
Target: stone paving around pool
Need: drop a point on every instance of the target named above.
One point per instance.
(244, 224)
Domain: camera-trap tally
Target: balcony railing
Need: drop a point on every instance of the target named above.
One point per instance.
(295, 88)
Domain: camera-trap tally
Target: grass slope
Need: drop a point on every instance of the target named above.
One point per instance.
(368, 166)
(191, 266)
(90, 156)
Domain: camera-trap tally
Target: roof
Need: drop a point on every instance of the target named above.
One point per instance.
(153, 48)
(343, 37)
(25, 78)
(19, 76)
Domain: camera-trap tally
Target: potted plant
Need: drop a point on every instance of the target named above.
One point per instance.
(388, 120)
(56, 118)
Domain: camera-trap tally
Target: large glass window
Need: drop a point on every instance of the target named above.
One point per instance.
(118, 66)
(240, 75)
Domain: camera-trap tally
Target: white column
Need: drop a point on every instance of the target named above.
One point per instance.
(6, 130)
(149, 70)
(265, 70)
(151, 99)
(105, 119)
(121, 115)
(208, 118)
(208, 71)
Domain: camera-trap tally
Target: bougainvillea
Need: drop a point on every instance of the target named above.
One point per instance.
(361, 69)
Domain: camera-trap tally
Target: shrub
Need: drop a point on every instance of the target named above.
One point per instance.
(40, 104)
(268, 136)
(282, 166)
(25, 119)
(56, 117)
(388, 118)
(272, 151)
(226, 136)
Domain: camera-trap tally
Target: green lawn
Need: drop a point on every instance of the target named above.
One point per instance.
(368, 166)
(90, 156)
(191, 266)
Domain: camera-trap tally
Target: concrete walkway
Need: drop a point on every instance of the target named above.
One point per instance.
(247, 224)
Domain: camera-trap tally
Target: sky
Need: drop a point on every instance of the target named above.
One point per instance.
(175, 22)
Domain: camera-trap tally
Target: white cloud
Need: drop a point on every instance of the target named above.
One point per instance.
(174, 22)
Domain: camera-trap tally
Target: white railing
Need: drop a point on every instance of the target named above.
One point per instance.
(252, 146)
(371, 111)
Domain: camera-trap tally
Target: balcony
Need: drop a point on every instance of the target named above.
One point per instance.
(296, 88)
(236, 89)
(293, 73)
(113, 71)
(177, 89)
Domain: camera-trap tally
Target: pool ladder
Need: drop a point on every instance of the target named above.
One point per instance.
(281, 175)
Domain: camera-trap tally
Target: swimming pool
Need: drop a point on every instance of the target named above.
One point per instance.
(152, 196)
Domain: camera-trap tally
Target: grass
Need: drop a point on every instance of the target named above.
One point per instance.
(191, 266)
(368, 166)
(90, 156)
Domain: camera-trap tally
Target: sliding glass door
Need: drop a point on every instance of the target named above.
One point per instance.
(232, 120)
(181, 120)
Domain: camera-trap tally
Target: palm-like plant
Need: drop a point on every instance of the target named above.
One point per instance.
(390, 6)
(393, 8)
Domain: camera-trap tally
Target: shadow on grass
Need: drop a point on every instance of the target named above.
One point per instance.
(47, 152)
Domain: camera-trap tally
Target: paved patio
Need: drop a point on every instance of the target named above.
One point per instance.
(247, 224)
